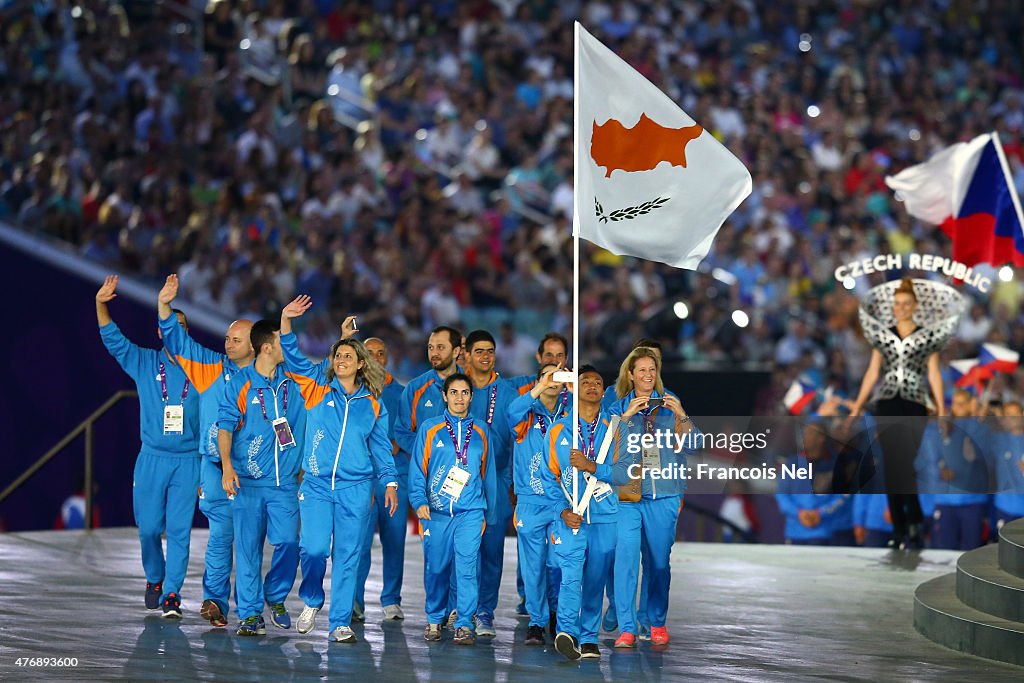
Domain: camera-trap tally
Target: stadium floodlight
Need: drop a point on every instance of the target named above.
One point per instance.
(681, 310)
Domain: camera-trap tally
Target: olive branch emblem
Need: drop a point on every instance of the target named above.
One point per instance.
(630, 212)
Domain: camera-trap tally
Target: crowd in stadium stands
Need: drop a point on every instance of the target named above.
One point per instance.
(411, 162)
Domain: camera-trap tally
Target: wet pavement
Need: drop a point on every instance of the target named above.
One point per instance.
(738, 613)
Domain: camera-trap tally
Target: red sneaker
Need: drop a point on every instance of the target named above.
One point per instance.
(626, 640)
(659, 635)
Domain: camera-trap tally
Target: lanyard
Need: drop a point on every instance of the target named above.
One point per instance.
(563, 399)
(542, 420)
(263, 405)
(490, 406)
(163, 385)
(588, 450)
(648, 415)
(461, 454)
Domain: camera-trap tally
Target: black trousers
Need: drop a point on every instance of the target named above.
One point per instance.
(900, 427)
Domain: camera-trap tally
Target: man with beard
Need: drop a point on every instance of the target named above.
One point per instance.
(422, 398)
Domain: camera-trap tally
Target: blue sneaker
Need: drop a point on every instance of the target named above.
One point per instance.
(279, 616)
(252, 626)
(610, 622)
(485, 626)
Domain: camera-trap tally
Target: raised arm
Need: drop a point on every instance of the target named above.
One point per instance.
(202, 366)
(128, 355)
(295, 309)
(106, 294)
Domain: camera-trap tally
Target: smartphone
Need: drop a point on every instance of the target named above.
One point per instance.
(655, 402)
(564, 376)
(355, 327)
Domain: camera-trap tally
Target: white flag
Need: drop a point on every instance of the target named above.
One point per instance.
(650, 182)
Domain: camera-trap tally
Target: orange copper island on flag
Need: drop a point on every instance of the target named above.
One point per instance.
(640, 148)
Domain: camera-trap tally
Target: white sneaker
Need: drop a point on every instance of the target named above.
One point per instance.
(307, 620)
(343, 634)
(393, 613)
(358, 614)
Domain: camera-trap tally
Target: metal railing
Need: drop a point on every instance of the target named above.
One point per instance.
(84, 427)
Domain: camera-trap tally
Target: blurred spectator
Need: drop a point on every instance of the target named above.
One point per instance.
(422, 171)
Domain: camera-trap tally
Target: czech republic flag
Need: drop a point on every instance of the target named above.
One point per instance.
(799, 396)
(967, 189)
(998, 359)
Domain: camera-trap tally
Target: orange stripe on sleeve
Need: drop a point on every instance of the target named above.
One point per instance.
(415, 401)
(483, 456)
(201, 375)
(552, 453)
(243, 403)
(523, 428)
(312, 393)
(376, 406)
(428, 448)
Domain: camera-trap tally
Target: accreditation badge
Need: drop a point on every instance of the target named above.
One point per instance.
(174, 419)
(285, 438)
(454, 483)
(652, 458)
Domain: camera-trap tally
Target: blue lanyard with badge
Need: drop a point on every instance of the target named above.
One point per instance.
(603, 489)
(283, 431)
(174, 415)
(651, 454)
(458, 474)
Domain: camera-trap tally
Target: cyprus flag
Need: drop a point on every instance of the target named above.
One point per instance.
(650, 182)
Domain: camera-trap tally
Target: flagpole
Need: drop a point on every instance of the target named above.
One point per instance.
(575, 260)
(1010, 186)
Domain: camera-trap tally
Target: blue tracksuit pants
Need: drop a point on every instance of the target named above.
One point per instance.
(658, 519)
(214, 504)
(328, 515)
(534, 525)
(264, 514)
(446, 540)
(492, 557)
(584, 560)
(164, 494)
(627, 565)
(392, 541)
